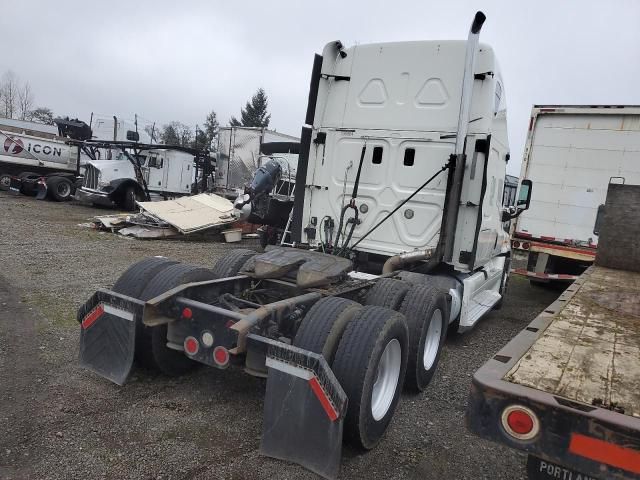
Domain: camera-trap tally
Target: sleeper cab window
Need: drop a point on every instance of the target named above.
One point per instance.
(377, 156)
(409, 156)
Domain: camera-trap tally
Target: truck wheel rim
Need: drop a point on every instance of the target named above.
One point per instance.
(5, 181)
(63, 189)
(384, 388)
(432, 341)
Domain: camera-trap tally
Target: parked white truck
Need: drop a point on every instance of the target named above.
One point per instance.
(30, 152)
(571, 154)
(397, 238)
(132, 175)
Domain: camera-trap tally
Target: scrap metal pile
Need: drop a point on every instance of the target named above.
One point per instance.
(170, 218)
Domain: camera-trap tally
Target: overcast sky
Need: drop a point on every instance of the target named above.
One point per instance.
(168, 60)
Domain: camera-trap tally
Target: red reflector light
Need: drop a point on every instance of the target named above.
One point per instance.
(191, 345)
(221, 356)
(520, 422)
(187, 313)
(515, 244)
(526, 245)
(93, 315)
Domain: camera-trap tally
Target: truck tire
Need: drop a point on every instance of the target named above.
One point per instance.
(28, 183)
(154, 352)
(60, 188)
(426, 311)
(5, 181)
(232, 262)
(323, 325)
(387, 292)
(370, 364)
(131, 283)
(135, 278)
(128, 197)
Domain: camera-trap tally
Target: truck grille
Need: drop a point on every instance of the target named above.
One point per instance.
(91, 177)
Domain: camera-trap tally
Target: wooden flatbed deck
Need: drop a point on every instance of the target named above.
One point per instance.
(590, 352)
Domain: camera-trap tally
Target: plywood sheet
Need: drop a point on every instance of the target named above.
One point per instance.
(590, 352)
(193, 214)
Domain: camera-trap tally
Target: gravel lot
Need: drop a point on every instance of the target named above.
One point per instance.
(60, 422)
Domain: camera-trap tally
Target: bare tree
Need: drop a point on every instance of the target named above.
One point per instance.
(176, 133)
(9, 88)
(153, 133)
(25, 101)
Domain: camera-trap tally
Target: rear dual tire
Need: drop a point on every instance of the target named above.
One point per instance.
(152, 345)
(370, 364)
(426, 312)
(145, 280)
(323, 325)
(366, 348)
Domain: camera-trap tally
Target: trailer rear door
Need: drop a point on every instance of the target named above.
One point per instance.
(571, 156)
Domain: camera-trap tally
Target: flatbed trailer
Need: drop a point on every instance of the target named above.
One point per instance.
(566, 389)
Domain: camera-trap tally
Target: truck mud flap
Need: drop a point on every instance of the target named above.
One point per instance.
(108, 334)
(15, 186)
(304, 409)
(41, 190)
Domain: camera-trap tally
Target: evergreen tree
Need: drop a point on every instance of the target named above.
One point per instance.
(211, 127)
(201, 140)
(254, 114)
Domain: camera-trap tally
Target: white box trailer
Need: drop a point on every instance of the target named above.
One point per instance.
(572, 153)
(239, 153)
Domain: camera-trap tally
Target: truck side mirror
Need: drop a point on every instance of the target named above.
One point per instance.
(133, 136)
(599, 215)
(524, 197)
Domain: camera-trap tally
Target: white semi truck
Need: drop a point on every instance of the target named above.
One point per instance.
(397, 238)
(572, 153)
(136, 172)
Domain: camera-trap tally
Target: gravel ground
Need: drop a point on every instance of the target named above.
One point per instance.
(58, 421)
